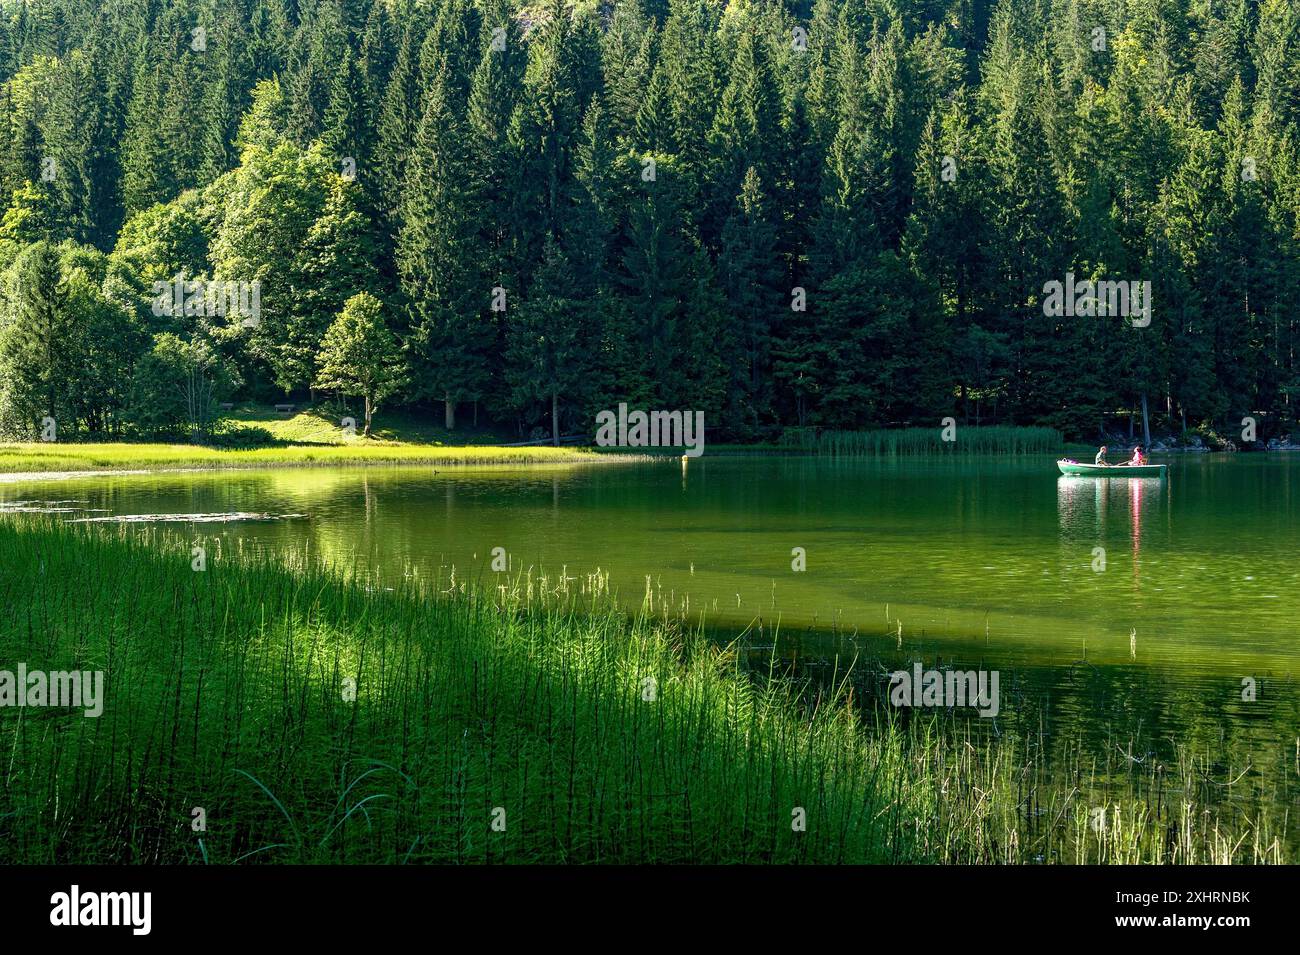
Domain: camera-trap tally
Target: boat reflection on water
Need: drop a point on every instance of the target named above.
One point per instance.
(1090, 508)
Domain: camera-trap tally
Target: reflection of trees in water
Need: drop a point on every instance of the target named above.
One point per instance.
(398, 522)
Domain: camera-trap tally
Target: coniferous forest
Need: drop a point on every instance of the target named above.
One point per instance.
(829, 214)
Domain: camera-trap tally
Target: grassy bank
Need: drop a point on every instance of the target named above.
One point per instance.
(52, 457)
(250, 437)
(585, 736)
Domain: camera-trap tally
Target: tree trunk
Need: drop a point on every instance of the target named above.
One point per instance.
(555, 419)
(366, 433)
(450, 410)
(1146, 424)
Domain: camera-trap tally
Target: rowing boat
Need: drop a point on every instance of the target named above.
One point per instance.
(1073, 468)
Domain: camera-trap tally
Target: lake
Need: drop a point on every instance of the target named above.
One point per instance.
(1123, 615)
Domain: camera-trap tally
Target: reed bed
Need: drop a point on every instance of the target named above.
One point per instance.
(928, 441)
(513, 720)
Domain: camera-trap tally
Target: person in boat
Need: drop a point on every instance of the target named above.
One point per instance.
(1100, 459)
(1137, 458)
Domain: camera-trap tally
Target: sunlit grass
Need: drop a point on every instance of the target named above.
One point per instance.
(47, 457)
(318, 425)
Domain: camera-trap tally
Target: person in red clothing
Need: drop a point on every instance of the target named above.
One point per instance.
(1137, 456)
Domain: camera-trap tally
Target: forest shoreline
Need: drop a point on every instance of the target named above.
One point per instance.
(667, 204)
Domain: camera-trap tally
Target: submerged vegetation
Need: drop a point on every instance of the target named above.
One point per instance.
(265, 710)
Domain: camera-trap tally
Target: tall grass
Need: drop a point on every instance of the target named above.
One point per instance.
(583, 735)
(906, 441)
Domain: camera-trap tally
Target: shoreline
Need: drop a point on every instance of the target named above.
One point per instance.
(22, 477)
(23, 461)
(34, 461)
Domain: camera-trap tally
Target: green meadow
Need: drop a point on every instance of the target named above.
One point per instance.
(31, 457)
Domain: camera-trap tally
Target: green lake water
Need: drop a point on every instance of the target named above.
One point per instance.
(979, 561)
